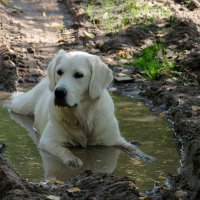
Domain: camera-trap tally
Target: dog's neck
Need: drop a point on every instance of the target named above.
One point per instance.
(79, 122)
(78, 117)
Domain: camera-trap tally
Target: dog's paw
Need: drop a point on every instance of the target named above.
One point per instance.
(141, 155)
(73, 162)
(147, 158)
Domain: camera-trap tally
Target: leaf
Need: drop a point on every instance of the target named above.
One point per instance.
(44, 14)
(124, 61)
(59, 182)
(17, 8)
(126, 26)
(56, 25)
(105, 15)
(89, 35)
(121, 53)
(81, 11)
(136, 162)
(52, 197)
(195, 108)
(162, 114)
(73, 190)
(145, 198)
(94, 50)
(121, 74)
(162, 177)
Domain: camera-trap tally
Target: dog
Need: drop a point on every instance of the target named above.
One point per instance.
(72, 107)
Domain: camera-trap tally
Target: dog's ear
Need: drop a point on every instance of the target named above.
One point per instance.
(51, 69)
(100, 78)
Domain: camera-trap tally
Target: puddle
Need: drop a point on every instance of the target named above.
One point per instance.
(136, 123)
(152, 132)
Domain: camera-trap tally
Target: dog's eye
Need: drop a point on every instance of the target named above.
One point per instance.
(78, 75)
(59, 72)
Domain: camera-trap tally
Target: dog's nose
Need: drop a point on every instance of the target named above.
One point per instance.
(60, 92)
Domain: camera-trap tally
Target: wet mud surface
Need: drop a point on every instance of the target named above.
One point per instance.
(176, 96)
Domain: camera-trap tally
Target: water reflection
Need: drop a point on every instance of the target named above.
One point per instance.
(97, 159)
(102, 159)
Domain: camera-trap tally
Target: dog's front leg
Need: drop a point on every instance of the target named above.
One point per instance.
(112, 137)
(52, 140)
(133, 150)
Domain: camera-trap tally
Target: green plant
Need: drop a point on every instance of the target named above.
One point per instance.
(119, 14)
(89, 9)
(126, 21)
(154, 61)
(188, 2)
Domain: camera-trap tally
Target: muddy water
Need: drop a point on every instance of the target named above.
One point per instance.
(136, 123)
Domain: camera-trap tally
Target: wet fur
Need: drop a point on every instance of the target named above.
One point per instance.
(92, 122)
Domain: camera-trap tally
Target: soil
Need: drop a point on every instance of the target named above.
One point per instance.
(32, 31)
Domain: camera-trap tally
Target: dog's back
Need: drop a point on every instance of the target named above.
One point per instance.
(25, 102)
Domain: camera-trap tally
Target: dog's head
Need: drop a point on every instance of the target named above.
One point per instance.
(75, 75)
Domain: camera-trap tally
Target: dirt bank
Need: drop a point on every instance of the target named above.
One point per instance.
(28, 43)
(181, 106)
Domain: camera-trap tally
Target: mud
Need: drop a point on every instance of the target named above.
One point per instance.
(174, 96)
(8, 74)
(180, 105)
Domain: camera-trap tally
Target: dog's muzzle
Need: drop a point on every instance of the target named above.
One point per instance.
(60, 93)
(60, 98)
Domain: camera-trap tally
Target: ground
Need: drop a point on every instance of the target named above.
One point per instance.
(32, 31)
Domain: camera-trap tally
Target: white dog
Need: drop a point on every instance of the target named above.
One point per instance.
(72, 107)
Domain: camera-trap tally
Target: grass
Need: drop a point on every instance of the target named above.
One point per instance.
(112, 15)
(153, 61)
(4, 1)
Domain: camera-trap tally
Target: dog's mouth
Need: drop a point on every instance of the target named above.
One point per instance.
(62, 103)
